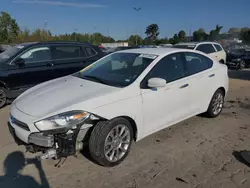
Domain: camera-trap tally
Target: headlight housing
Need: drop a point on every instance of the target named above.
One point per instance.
(63, 120)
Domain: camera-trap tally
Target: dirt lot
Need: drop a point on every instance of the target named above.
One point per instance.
(195, 153)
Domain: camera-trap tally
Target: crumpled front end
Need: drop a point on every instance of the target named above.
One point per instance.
(55, 143)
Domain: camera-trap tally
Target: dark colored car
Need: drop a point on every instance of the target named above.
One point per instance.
(3, 47)
(238, 58)
(26, 65)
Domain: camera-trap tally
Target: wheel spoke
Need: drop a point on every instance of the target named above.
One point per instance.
(109, 150)
(124, 135)
(112, 155)
(117, 131)
(111, 136)
(108, 143)
(117, 156)
(121, 131)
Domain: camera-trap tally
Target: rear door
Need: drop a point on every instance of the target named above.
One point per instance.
(199, 72)
(90, 54)
(208, 49)
(220, 54)
(37, 68)
(67, 59)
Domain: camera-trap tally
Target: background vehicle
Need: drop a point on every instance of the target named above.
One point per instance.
(119, 99)
(25, 65)
(3, 47)
(213, 49)
(111, 50)
(238, 58)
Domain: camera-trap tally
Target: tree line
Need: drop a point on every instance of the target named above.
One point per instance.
(10, 32)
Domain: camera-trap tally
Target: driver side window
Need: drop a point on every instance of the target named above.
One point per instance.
(36, 55)
(169, 68)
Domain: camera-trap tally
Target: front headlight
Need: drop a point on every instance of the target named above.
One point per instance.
(67, 119)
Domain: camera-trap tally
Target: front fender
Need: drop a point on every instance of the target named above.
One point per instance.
(131, 107)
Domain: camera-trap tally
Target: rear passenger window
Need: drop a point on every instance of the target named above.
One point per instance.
(218, 47)
(90, 51)
(196, 63)
(66, 52)
(206, 48)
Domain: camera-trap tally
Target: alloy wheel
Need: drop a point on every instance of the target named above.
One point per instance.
(217, 103)
(117, 143)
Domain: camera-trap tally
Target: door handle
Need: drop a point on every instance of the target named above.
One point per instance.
(183, 86)
(211, 75)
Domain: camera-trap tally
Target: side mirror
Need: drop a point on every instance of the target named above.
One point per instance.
(156, 82)
(20, 61)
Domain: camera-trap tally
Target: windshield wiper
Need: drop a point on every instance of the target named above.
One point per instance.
(94, 78)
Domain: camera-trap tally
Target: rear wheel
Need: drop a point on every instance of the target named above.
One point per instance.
(216, 104)
(110, 141)
(242, 64)
(3, 97)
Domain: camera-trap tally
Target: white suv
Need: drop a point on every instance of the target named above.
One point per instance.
(213, 49)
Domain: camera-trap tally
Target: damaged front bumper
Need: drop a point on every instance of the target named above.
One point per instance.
(53, 144)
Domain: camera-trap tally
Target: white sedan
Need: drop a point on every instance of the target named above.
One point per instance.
(119, 99)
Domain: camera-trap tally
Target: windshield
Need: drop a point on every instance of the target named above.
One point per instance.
(191, 47)
(9, 53)
(118, 69)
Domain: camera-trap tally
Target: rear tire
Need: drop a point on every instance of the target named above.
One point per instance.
(216, 104)
(110, 141)
(3, 97)
(242, 64)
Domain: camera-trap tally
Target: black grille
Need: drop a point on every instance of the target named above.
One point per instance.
(19, 123)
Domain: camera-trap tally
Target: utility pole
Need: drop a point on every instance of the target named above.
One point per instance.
(137, 9)
(75, 30)
(190, 33)
(44, 32)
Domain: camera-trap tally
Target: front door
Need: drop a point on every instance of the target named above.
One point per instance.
(37, 68)
(164, 106)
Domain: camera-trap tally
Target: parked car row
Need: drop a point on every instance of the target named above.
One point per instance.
(120, 98)
(238, 58)
(26, 65)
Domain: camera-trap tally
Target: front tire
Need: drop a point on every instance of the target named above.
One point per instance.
(216, 104)
(3, 97)
(110, 141)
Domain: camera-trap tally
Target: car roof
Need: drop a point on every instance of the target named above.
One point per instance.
(52, 42)
(195, 43)
(155, 51)
(188, 43)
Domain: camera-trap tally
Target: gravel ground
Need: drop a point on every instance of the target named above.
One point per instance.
(196, 153)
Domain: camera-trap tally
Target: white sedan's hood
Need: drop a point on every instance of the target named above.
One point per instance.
(58, 94)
